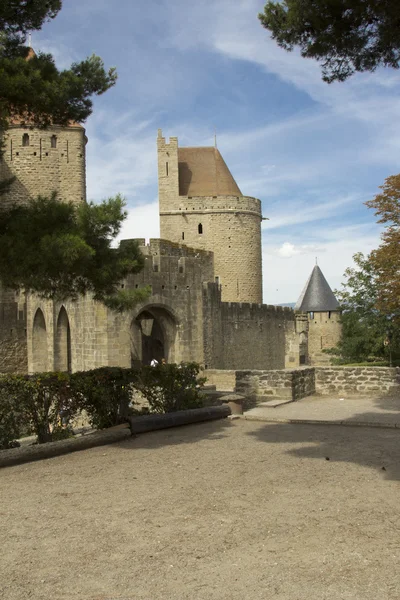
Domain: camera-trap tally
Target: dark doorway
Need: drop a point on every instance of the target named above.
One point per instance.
(153, 336)
(153, 344)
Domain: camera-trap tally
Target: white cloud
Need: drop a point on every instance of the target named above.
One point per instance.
(142, 222)
(288, 250)
(283, 280)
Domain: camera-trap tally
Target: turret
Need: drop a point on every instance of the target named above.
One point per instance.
(323, 314)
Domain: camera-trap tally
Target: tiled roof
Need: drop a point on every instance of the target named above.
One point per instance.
(317, 296)
(203, 172)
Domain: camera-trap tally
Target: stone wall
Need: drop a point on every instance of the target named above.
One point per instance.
(13, 350)
(300, 383)
(324, 332)
(100, 337)
(246, 336)
(52, 160)
(224, 380)
(285, 384)
(356, 380)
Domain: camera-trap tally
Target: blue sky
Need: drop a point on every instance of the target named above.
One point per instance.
(312, 152)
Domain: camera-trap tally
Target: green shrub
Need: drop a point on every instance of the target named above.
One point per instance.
(171, 387)
(46, 403)
(34, 402)
(45, 399)
(11, 415)
(104, 393)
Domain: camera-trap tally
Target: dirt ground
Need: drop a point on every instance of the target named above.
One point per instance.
(223, 510)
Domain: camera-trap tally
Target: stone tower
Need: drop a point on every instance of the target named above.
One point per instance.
(202, 206)
(44, 161)
(324, 328)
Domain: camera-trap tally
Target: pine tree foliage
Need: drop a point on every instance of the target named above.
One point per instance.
(48, 247)
(62, 251)
(345, 36)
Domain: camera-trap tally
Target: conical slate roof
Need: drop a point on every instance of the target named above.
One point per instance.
(317, 296)
(203, 172)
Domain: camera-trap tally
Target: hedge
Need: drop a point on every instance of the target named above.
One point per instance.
(47, 403)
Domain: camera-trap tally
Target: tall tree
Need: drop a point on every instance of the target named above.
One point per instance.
(365, 329)
(32, 87)
(51, 247)
(386, 258)
(345, 36)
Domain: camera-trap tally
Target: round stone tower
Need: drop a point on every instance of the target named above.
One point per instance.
(44, 161)
(323, 314)
(202, 206)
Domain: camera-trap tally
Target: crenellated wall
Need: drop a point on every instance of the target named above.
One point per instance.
(52, 160)
(247, 336)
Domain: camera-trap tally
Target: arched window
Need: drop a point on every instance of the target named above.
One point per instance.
(200, 228)
(53, 141)
(62, 354)
(25, 139)
(39, 343)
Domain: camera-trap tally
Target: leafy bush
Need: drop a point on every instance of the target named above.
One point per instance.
(11, 414)
(104, 393)
(46, 403)
(171, 387)
(34, 402)
(45, 398)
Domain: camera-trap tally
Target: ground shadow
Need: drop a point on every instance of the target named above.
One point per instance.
(184, 434)
(377, 448)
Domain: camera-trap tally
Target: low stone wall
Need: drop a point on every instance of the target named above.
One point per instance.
(293, 384)
(285, 383)
(223, 380)
(356, 380)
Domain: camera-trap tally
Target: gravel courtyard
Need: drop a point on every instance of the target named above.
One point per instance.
(224, 510)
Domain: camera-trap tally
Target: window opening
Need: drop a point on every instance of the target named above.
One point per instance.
(53, 141)
(200, 228)
(183, 235)
(166, 168)
(25, 139)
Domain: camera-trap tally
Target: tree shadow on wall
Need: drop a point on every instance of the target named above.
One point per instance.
(184, 434)
(373, 447)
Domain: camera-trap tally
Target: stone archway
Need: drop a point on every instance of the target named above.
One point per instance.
(39, 343)
(153, 335)
(62, 354)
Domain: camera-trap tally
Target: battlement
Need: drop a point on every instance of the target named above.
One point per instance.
(215, 204)
(44, 161)
(159, 247)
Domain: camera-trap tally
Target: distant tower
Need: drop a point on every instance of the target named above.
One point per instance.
(202, 206)
(44, 161)
(322, 308)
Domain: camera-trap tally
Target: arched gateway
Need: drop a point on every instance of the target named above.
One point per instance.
(153, 336)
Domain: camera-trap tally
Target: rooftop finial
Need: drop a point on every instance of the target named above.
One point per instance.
(215, 137)
(30, 40)
(316, 260)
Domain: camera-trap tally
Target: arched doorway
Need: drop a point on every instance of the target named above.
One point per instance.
(153, 335)
(62, 354)
(39, 343)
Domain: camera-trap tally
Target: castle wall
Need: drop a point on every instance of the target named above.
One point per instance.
(13, 354)
(40, 168)
(247, 336)
(324, 332)
(229, 226)
(101, 337)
